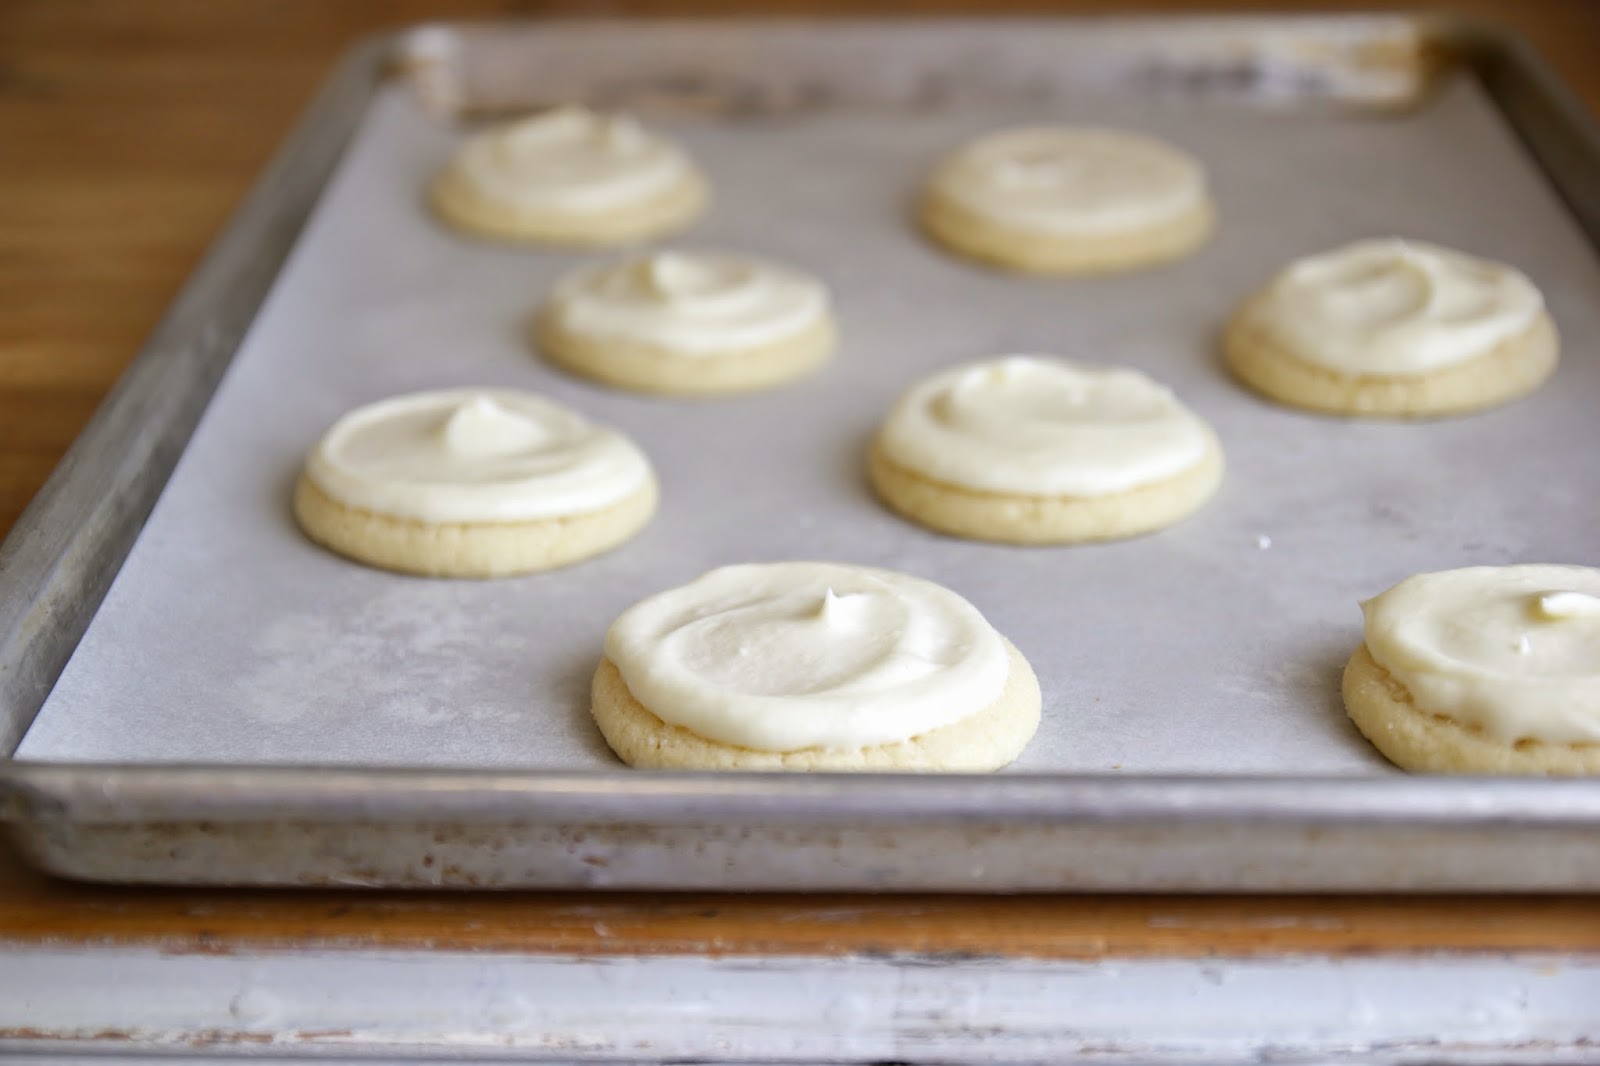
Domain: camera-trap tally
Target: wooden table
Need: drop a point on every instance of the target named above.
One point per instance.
(127, 132)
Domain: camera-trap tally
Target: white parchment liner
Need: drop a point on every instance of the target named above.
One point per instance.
(1210, 648)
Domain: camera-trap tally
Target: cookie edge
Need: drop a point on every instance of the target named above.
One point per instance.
(628, 364)
(468, 549)
(663, 216)
(1003, 729)
(1413, 739)
(972, 235)
(1513, 369)
(990, 516)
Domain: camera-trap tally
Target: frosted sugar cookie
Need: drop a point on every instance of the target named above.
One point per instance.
(1394, 327)
(688, 323)
(812, 666)
(1068, 200)
(1483, 670)
(472, 483)
(570, 177)
(1030, 449)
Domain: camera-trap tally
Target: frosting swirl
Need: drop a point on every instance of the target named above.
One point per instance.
(693, 303)
(475, 455)
(569, 160)
(1395, 307)
(1514, 650)
(1035, 425)
(1073, 181)
(790, 656)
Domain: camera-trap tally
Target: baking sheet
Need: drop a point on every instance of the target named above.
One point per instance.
(1210, 648)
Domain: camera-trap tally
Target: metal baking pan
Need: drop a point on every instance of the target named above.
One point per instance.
(194, 694)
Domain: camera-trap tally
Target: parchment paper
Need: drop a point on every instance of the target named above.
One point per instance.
(1213, 647)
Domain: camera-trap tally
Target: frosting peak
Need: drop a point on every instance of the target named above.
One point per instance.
(1514, 650)
(1560, 606)
(1395, 307)
(693, 303)
(1073, 180)
(479, 427)
(790, 656)
(704, 286)
(570, 159)
(849, 611)
(532, 139)
(466, 455)
(1036, 425)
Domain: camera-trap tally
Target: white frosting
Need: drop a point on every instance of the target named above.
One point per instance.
(693, 303)
(1039, 426)
(1514, 650)
(475, 455)
(790, 656)
(1396, 307)
(570, 160)
(1073, 181)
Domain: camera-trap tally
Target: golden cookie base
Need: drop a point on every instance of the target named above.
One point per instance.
(966, 232)
(987, 740)
(1019, 519)
(1507, 372)
(630, 364)
(1414, 739)
(486, 549)
(663, 216)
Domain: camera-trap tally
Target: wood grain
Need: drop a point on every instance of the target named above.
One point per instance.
(34, 910)
(127, 132)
